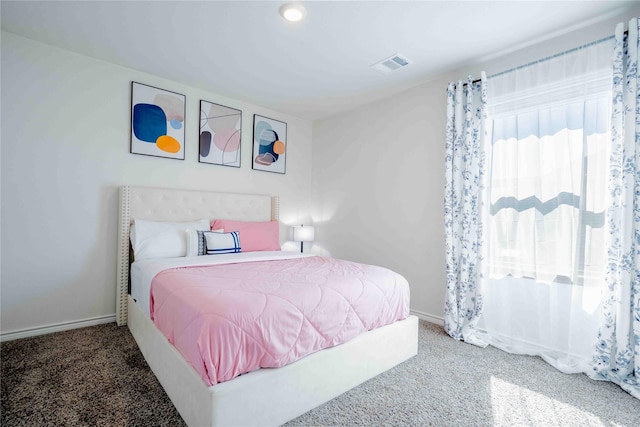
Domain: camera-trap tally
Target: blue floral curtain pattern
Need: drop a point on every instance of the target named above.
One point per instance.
(617, 356)
(466, 114)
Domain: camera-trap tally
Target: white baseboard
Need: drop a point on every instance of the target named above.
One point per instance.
(42, 330)
(59, 327)
(428, 317)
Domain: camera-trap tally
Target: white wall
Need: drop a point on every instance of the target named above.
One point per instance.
(65, 151)
(379, 183)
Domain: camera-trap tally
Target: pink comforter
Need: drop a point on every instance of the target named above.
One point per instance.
(230, 319)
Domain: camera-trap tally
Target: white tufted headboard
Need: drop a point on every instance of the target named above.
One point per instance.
(165, 204)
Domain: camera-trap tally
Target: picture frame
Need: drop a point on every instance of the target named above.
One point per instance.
(157, 122)
(220, 135)
(269, 144)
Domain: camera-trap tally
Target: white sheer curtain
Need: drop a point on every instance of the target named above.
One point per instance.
(546, 198)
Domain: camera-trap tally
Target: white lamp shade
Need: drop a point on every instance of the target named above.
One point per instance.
(303, 233)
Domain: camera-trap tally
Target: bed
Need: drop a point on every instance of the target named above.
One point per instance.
(266, 396)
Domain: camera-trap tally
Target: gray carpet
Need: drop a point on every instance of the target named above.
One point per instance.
(97, 377)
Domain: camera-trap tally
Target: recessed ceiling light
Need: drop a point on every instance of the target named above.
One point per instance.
(293, 12)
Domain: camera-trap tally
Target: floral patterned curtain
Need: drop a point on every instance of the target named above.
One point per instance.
(466, 113)
(617, 356)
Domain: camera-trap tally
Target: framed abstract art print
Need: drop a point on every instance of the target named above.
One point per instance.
(269, 144)
(157, 122)
(220, 134)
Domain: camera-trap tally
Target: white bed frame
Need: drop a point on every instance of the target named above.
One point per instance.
(264, 397)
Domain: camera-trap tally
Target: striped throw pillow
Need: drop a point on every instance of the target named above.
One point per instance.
(222, 243)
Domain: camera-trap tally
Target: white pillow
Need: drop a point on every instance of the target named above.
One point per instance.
(153, 239)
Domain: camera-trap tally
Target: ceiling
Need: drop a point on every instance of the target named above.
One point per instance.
(244, 50)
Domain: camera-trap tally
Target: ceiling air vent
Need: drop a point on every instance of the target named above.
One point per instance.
(392, 63)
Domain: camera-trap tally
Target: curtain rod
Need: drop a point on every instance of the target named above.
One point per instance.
(548, 58)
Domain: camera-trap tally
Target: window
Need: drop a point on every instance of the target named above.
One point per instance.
(548, 158)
